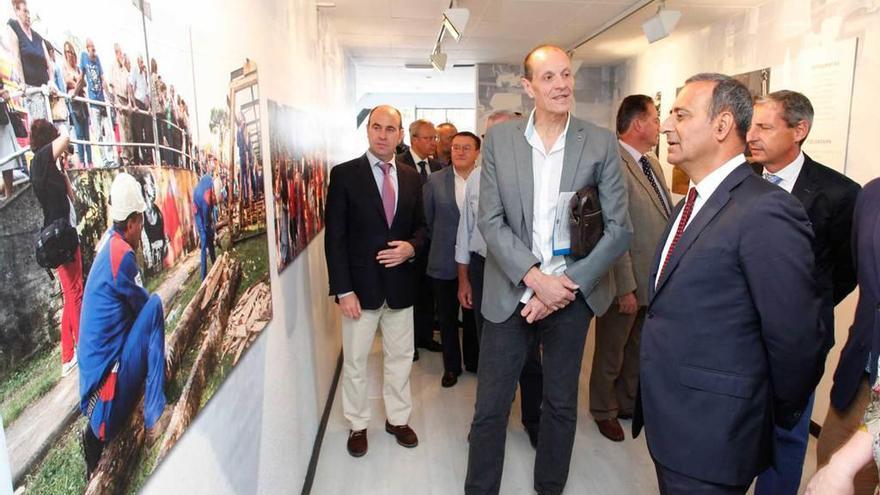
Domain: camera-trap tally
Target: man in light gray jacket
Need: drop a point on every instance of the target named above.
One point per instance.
(532, 291)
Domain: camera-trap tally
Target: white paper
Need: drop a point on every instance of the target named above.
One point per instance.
(562, 226)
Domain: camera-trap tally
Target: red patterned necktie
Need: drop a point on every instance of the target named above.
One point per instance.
(388, 199)
(685, 216)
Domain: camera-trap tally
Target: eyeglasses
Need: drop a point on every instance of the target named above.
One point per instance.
(457, 147)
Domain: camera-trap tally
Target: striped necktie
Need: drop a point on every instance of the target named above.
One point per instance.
(646, 168)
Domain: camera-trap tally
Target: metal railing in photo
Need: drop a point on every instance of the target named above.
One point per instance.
(186, 157)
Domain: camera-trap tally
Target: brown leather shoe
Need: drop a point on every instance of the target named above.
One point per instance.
(357, 442)
(611, 429)
(405, 435)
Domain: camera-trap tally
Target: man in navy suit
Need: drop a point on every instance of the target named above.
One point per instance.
(375, 225)
(780, 124)
(732, 342)
(423, 137)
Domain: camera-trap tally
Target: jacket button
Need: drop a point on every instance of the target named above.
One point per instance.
(650, 314)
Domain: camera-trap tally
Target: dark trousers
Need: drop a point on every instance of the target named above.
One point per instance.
(505, 347)
(673, 483)
(142, 132)
(446, 295)
(423, 309)
(789, 451)
(531, 386)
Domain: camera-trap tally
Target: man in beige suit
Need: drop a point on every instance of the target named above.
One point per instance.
(615, 375)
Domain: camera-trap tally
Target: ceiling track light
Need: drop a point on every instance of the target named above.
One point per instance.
(661, 24)
(454, 22)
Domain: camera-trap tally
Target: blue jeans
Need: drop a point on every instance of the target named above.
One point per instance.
(141, 367)
(789, 450)
(81, 131)
(207, 238)
(504, 349)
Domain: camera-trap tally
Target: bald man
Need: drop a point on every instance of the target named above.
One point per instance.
(375, 225)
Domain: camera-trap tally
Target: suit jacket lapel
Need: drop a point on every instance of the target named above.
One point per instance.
(450, 188)
(805, 186)
(637, 172)
(374, 196)
(522, 152)
(574, 146)
(713, 205)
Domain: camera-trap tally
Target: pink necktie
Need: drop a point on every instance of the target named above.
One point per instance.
(388, 199)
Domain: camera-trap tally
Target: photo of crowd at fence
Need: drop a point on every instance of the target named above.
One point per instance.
(167, 271)
(299, 180)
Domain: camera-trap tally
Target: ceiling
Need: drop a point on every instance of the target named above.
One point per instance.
(382, 35)
(626, 39)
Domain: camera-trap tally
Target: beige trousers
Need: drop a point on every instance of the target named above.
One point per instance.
(614, 379)
(397, 347)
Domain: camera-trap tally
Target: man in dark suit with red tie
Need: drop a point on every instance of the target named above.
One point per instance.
(732, 342)
(780, 124)
(423, 139)
(375, 225)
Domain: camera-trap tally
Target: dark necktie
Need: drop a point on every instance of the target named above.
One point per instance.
(646, 168)
(423, 171)
(685, 216)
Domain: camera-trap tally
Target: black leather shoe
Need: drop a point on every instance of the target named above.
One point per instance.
(533, 437)
(432, 346)
(92, 449)
(625, 416)
(449, 379)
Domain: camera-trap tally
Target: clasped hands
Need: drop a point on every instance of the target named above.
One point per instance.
(399, 252)
(552, 293)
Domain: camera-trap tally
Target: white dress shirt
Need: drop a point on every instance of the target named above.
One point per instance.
(416, 159)
(546, 174)
(705, 189)
(459, 188)
(469, 239)
(790, 173)
(379, 175)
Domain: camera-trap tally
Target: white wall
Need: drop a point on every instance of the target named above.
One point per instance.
(256, 434)
(772, 35)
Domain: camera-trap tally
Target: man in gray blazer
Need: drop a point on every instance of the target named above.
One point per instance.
(615, 377)
(532, 291)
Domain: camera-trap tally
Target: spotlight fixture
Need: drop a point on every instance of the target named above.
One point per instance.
(455, 20)
(661, 24)
(438, 60)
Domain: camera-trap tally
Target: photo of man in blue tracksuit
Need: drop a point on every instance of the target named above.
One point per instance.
(203, 206)
(122, 332)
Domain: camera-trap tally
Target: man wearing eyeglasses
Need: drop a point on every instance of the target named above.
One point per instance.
(444, 199)
(423, 145)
